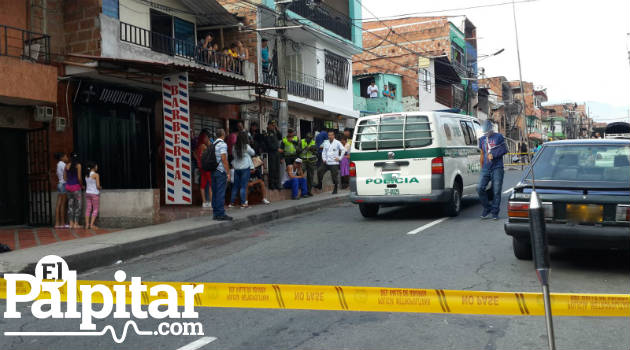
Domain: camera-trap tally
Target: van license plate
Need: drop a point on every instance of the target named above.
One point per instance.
(392, 191)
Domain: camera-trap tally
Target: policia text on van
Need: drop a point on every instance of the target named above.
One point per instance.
(420, 157)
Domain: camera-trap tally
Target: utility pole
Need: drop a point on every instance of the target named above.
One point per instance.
(281, 22)
(520, 74)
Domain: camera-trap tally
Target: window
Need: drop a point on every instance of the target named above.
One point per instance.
(425, 79)
(294, 64)
(457, 54)
(185, 37)
(392, 132)
(337, 70)
(469, 132)
(172, 35)
(110, 8)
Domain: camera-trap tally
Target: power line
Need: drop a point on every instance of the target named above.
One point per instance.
(441, 11)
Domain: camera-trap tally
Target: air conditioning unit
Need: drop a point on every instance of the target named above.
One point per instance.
(60, 124)
(43, 113)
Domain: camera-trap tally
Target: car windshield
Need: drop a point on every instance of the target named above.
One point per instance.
(393, 131)
(583, 163)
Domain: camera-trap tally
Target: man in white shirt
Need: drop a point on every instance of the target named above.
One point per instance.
(332, 152)
(372, 90)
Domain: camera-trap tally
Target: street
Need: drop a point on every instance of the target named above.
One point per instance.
(337, 246)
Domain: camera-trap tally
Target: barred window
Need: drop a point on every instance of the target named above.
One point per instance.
(337, 70)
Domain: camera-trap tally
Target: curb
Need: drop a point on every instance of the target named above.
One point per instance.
(110, 254)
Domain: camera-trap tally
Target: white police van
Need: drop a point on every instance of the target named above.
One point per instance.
(414, 158)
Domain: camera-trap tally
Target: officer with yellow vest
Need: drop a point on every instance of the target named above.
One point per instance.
(290, 147)
(309, 158)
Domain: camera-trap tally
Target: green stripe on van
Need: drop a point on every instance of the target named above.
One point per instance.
(400, 154)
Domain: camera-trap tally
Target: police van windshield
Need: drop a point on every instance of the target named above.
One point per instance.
(393, 132)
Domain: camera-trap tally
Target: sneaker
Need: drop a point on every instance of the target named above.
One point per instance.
(485, 214)
(223, 218)
(231, 206)
(205, 205)
(495, 217)
(244, 205)
(266, 201)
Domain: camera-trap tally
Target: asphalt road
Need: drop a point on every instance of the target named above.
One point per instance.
(337, 246)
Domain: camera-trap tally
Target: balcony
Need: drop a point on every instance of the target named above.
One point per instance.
(324, 16)
(179, 48)
(377, 105)
(27, 76)
(304, 85)
(20, 43)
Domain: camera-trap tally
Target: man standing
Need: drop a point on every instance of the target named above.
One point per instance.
(372, 90)
(264, 54)
(493, 149)
(309, 158)
(289, 147)
(332, 151)
(386, 91)
(220, 177)
(272, 138)
(296, 179)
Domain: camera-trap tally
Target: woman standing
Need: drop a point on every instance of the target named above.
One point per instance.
(242, 164)
(74, 184)
(344, 164)
(92, 195)
(205, 176)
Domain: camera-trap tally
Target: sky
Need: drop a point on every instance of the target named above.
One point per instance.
(577, 50)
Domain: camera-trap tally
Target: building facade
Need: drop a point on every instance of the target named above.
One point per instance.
(436, 58)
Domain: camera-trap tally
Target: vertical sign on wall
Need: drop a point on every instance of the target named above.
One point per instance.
(176, 138)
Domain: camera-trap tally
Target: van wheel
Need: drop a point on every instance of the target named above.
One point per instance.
(522, 249)
(454, 205)
(368, 210)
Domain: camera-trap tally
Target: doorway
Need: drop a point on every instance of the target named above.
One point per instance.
(13, 190)
(306, 127)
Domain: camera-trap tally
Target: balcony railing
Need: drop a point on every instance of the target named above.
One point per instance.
(303, 85)
(324, 16)
(20, 43)
(180, 48)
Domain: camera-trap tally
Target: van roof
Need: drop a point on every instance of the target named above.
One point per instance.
(450, 114)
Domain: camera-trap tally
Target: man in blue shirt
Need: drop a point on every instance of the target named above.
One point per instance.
(264, 52)
(493, 148)
(220, 177)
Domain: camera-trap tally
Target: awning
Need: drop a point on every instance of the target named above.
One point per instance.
(210, 13)
(149, 71)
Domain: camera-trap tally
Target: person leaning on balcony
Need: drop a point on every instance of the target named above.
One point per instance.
(264, 54)
(243, 53)
(392, 93)
(386, 91)
(372, 90)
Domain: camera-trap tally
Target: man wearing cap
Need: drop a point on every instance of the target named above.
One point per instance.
(309, 158)
(493, 148)
(296, 180)
(272, 143)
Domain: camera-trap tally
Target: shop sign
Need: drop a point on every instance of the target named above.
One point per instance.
(93, 93)
(177, 138)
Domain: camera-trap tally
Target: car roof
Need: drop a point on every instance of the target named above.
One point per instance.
(588, 142)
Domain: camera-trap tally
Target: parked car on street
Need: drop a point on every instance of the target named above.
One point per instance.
(584, 186)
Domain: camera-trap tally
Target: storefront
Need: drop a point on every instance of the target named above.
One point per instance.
(115, 127)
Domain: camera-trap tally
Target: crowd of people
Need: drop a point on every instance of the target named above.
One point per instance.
(236, 160)
(226, 58)
(72, 180)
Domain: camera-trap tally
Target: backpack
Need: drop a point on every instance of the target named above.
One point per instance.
(209, 158)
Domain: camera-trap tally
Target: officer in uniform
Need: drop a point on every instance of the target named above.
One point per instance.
(290, 147)
(272, 143)
(309, 159)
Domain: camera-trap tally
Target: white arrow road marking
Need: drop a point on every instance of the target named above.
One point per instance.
(198, 343)
(424, 227)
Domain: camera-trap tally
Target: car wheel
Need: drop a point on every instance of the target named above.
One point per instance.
(522, 249)
(454, 205)
(368, 210)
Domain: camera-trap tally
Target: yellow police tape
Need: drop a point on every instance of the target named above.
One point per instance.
(376, 299)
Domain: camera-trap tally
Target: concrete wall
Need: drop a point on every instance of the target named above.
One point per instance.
(124, 208)
(138, 13)
(25, 82)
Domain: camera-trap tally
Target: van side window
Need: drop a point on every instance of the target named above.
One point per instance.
(471, 131)
(466, 131)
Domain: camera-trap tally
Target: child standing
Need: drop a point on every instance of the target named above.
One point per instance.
(92, 192)
(60, 208)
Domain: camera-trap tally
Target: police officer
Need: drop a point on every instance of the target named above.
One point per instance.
(290, 147)
(309, 159)
(272, 143)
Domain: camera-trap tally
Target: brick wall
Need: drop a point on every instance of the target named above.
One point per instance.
(82, 27)
(425, 35)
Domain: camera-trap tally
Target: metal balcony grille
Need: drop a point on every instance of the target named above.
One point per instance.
(20, 43)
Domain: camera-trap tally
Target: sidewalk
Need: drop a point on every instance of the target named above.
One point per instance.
(85, 249)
